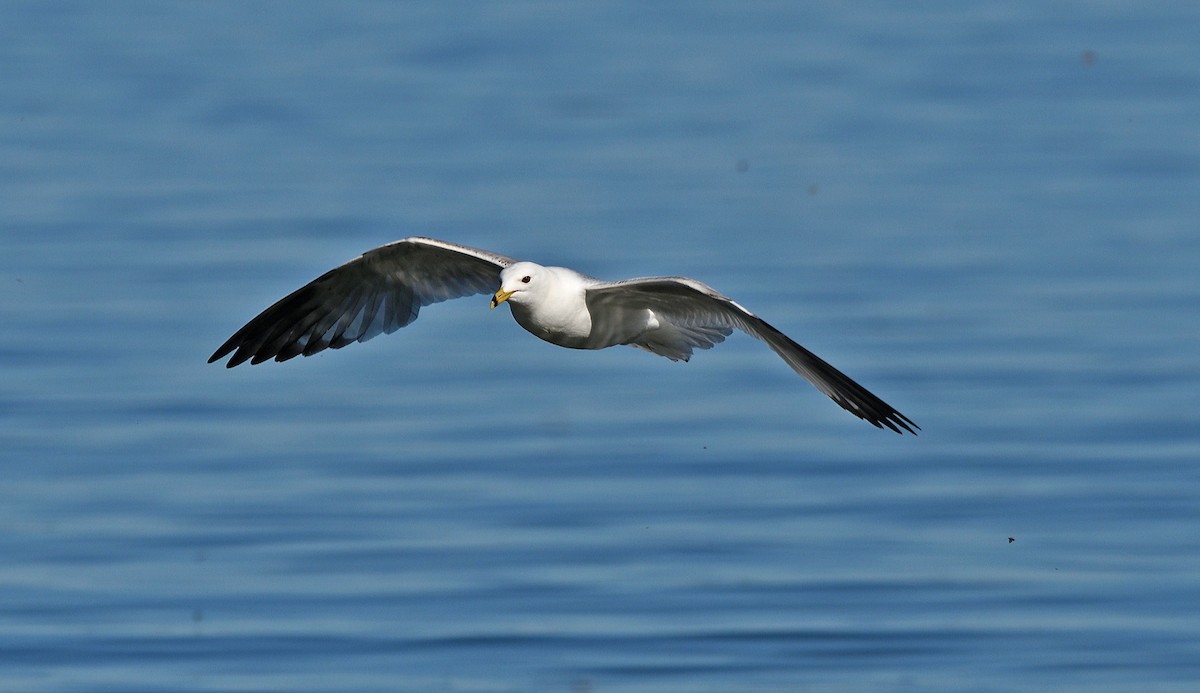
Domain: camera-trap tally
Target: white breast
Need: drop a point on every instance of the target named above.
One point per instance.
(558, 312)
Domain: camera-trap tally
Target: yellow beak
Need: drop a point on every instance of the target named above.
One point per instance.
(500, 297)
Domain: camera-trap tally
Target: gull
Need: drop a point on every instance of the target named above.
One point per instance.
(385, 288)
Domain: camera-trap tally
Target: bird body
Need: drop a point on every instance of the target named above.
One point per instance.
(549, 307)
(384, 289)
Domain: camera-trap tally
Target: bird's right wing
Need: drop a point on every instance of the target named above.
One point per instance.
(695, 307)
(376, 293)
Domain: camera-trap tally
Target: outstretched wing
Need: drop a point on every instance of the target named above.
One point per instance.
(376, 293)
(692, 307)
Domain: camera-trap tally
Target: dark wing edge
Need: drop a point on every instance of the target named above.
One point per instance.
(842, 389)
(376, 293)
(656, 292)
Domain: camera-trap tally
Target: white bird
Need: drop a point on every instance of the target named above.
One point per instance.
(383, 289)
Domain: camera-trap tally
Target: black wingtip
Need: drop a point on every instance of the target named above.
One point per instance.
(224, 350)
(897, 421)
(871, 409)
(237, 358)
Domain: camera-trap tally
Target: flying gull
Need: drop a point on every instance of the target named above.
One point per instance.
(383, 289)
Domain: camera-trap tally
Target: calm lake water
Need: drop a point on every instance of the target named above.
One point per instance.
(984, 212)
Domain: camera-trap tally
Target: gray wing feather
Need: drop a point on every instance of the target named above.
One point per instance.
(376, 293)
(691, 304)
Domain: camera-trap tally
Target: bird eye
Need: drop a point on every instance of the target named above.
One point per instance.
(525, 279)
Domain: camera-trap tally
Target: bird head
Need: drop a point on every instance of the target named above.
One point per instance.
(519, 282)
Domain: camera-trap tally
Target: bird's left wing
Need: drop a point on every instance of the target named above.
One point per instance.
(376, 293)
(691, 304)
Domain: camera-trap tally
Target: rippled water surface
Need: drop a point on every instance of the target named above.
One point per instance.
(986, 213)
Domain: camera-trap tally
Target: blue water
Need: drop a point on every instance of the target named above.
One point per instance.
(984, 212)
